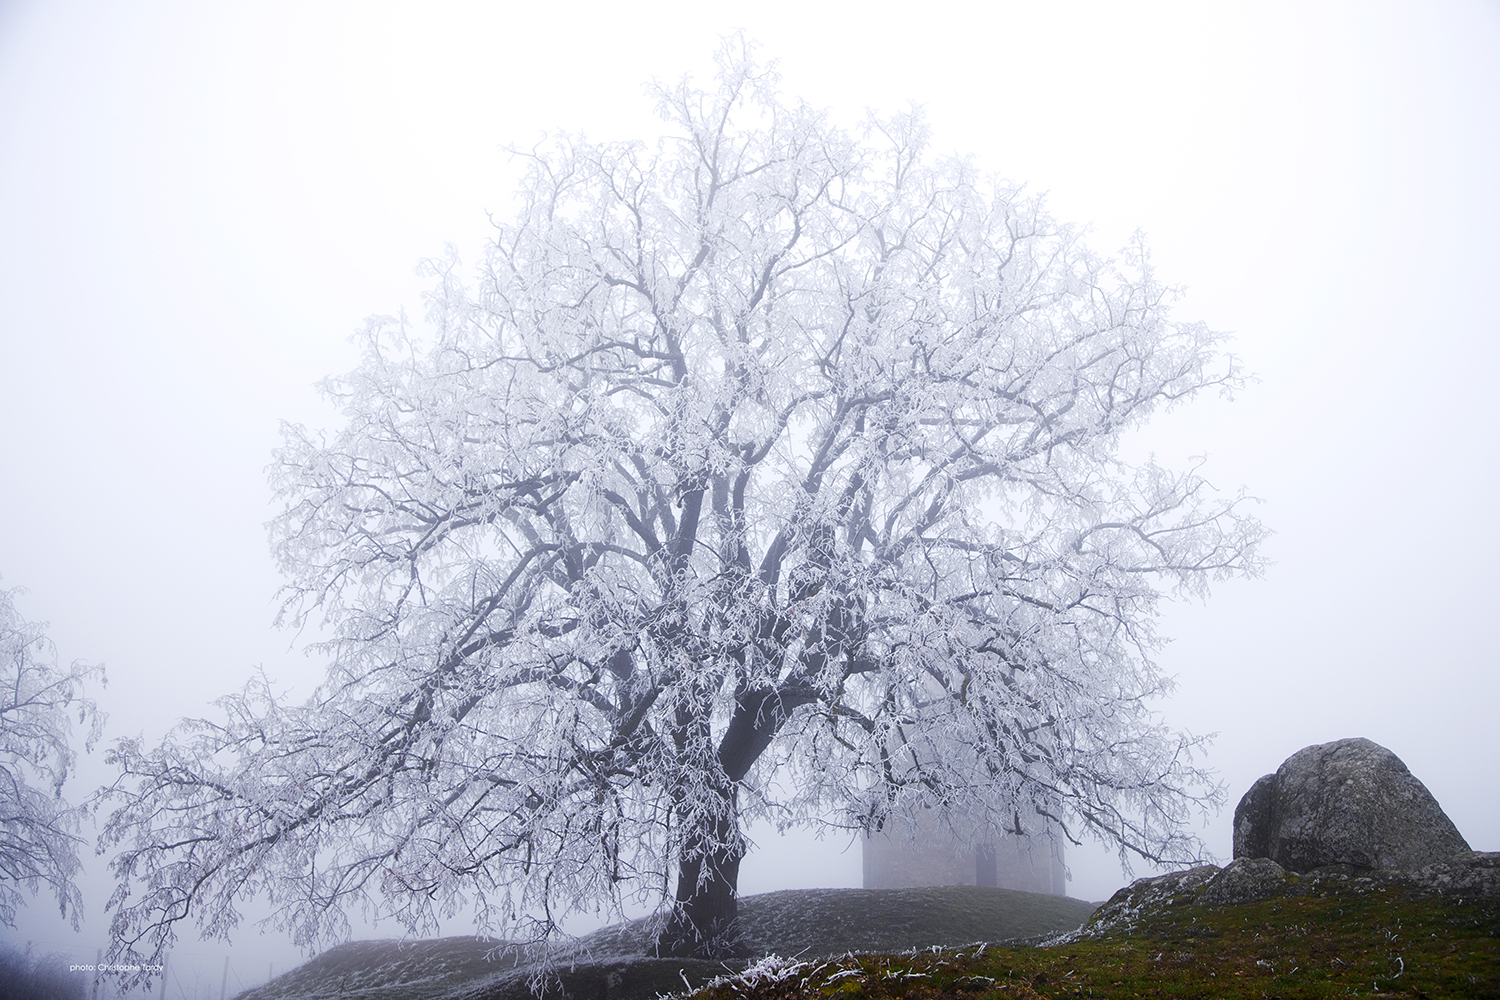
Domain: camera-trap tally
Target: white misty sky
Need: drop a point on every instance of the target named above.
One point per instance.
(200, 201)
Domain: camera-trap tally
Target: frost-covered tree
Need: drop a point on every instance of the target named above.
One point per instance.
(38, 828)
(770, 445)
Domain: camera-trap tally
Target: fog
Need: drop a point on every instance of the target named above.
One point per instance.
(200, 202)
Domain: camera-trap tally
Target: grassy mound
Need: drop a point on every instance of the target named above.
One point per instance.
(816, 923)
(1376, 943)
(1350, 940)
(611, 964)
(398, 970)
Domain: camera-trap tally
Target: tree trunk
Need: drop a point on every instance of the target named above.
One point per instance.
(702, 924)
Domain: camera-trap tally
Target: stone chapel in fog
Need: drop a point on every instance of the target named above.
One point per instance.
(931, 852)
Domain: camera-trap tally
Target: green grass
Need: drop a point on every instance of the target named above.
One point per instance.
(1372, 944)
(1341, 942)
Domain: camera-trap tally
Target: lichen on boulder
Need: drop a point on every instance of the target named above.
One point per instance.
(1248, 880)
(1336, 818)
(1350, 802)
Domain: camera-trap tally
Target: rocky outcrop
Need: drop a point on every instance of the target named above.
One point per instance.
(1350, 802)
(1147, 895)
(1252, 820)
(1248, 880)
(1344, 817)
(1469, 875)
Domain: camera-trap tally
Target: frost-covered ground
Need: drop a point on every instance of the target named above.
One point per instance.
(610, 963)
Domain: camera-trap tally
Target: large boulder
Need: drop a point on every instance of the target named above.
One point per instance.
(1350, 802)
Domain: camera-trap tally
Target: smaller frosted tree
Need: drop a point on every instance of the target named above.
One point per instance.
(38, 828)
(770, 445)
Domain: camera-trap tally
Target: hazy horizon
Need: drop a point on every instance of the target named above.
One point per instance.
(200, 203)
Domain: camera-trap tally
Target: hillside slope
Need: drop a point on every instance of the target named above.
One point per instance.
(1343, 939)
(802, 923)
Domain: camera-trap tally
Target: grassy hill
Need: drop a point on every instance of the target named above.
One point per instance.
(799, 923)
(815, 923)
(1378, 943)
(1338, 943)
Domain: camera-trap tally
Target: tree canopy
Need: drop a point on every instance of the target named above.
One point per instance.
(38, 827)
(769, 445)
